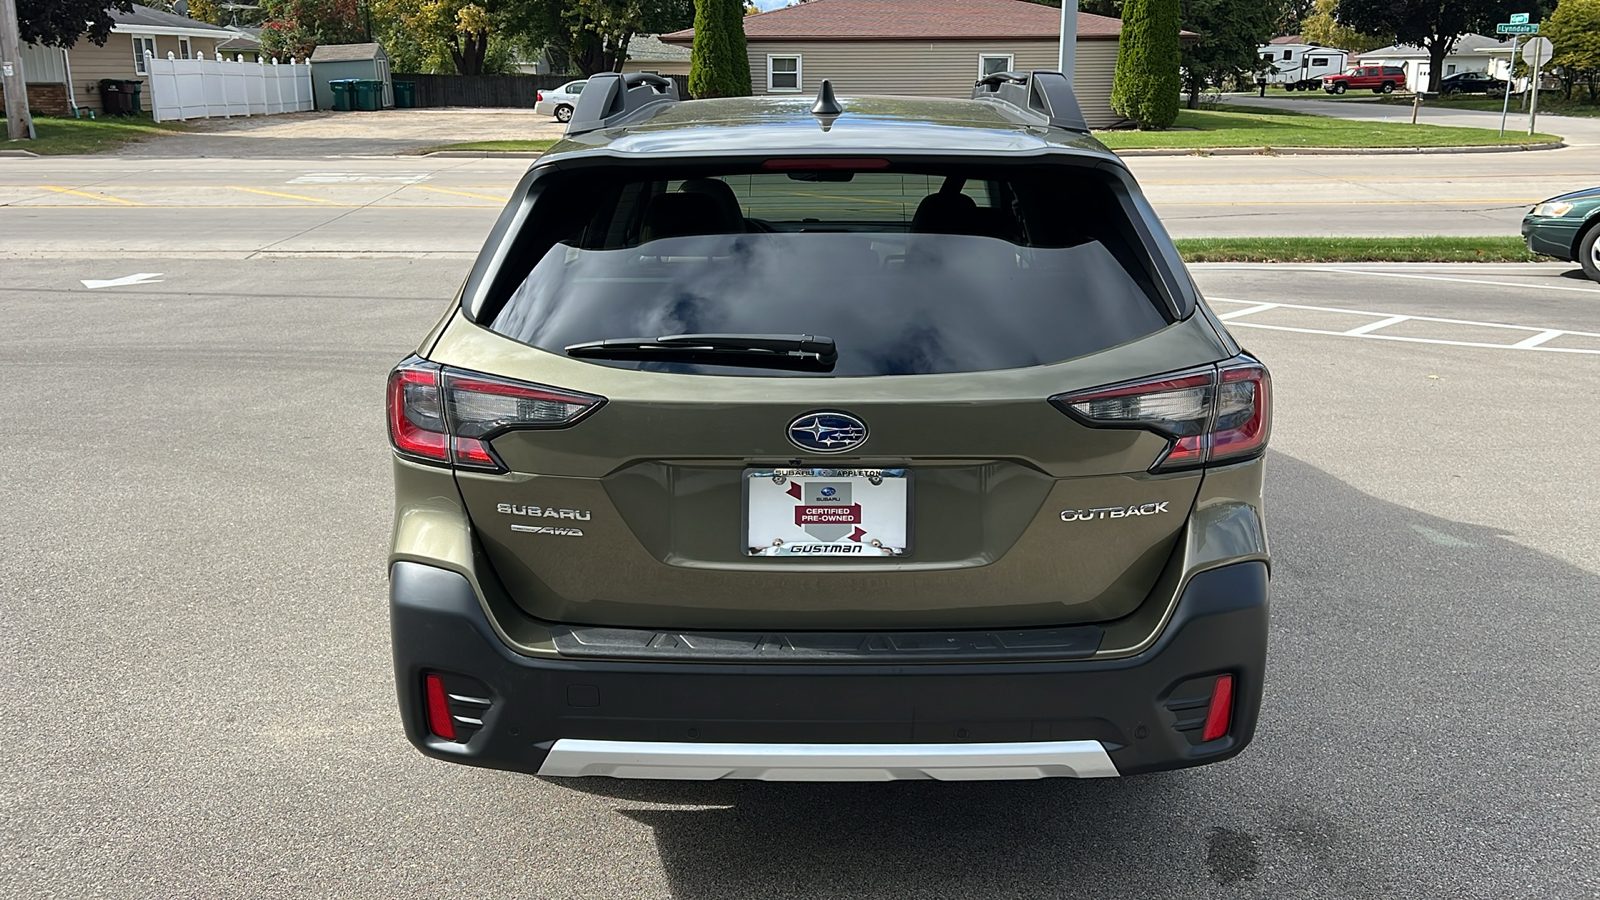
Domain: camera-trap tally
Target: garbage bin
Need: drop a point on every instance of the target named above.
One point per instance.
(369, 95)
(114, 99)
(405, 94)
(133, 88)
(342, 89)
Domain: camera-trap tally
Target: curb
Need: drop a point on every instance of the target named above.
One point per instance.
(17, 153)
(483, 154)
(1335, 151)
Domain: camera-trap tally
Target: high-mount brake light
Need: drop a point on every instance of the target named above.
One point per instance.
(1211, 414)
(823, 162)
(448, 416)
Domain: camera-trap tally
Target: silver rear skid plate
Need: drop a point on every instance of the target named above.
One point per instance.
(571, 758)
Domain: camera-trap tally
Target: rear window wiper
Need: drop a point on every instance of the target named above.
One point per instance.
(797, 352)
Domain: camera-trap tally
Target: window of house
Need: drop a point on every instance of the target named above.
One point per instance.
(990, 63)
(783, 73)
(1450, 70)
(141, 46)
(184, 51)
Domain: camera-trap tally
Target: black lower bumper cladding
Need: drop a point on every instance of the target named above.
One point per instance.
(439, 627)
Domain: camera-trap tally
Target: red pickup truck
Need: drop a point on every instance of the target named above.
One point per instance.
(1379, 79)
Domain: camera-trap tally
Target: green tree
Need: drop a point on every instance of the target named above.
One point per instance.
(59, 23)
(1323, 29)
(1145, 88)
(294, 28)
(720, 64)
(1430, 24)
(1231, 34)
(589, 36)
(1574, 29)
(441, 35)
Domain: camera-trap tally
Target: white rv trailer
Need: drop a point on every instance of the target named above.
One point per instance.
(1300, 67)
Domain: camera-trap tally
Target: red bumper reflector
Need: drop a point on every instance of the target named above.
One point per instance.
(1221, 714)
(442, 726)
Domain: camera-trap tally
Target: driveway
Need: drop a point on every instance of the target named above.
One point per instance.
(1578, 131)
(391, 132)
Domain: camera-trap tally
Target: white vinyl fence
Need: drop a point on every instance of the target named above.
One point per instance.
(203, 88)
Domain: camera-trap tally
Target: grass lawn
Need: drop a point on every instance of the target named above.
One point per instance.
(57, 136)
(523, 146)
(1283, 128)
(1329, 250)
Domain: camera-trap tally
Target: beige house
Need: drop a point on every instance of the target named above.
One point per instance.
(922, 48)
(59, 80)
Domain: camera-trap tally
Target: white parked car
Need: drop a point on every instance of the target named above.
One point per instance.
(560, 101)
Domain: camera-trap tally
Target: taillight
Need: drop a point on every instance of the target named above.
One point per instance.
(1211, 414)
(538, 96)
(449, 415)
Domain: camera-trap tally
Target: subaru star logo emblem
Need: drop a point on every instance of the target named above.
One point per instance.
(827, 432)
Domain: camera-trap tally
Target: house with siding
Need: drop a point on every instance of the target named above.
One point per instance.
(60, 80)
(922, 48)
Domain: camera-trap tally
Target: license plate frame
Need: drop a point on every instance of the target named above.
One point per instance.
(873, 522)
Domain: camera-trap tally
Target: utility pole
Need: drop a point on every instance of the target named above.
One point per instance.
(1069, 38)
(19, 125)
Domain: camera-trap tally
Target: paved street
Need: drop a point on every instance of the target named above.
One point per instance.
(319, 186)
(192, 617)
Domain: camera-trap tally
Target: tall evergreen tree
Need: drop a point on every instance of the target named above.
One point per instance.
(720, 64)
(1146, 85)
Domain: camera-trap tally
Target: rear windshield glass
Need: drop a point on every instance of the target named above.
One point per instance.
(907, 272)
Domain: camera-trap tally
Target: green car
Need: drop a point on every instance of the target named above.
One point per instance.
(1567, 227)
(877, 439)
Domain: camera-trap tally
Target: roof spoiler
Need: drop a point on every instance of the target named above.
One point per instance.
(1043, 97)
(612, 98)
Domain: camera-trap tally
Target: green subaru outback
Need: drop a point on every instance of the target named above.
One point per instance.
(863, 440)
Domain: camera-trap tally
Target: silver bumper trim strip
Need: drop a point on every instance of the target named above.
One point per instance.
(571, 758)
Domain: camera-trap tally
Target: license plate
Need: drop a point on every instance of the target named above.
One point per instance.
(827, 512)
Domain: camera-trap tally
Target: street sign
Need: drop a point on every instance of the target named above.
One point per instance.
(1538, 51)
(1519, 18)
(1504, 28)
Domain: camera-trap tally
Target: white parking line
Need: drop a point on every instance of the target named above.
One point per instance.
(1245, 312)
(1374, 326)
(1536, 341)
(1421, 277)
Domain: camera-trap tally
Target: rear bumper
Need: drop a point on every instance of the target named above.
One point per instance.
(631, 718)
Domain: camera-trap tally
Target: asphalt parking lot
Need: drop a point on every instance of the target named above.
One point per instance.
(194, 634)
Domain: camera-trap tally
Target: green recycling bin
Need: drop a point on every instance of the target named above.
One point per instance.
(342, 89)
(405, 95)
(369, 95)
(133, 87)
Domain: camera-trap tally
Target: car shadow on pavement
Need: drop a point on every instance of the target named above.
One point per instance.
(1428, 730)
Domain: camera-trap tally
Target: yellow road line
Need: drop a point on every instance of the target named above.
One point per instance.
(62, 190)
(277, 194)
(1517, 200)
(439, 190)
(395, 206)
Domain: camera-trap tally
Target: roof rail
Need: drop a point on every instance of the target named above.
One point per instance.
(1044, 97)
(612, 98)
